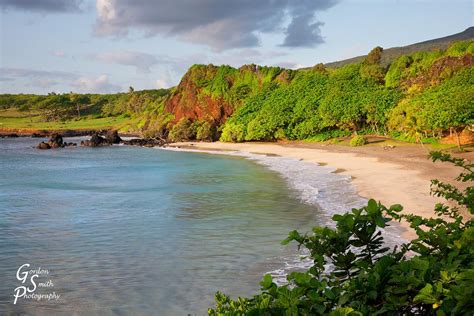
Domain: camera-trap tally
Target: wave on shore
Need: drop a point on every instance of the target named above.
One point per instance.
(321, 186)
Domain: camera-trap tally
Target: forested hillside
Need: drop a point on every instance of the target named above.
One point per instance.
(424, 95)
(419, 95)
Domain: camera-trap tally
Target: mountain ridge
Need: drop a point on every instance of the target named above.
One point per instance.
(390, 54)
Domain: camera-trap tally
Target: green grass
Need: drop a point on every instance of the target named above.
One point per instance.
(14, 119)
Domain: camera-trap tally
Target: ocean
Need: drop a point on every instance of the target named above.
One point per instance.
(129, 230)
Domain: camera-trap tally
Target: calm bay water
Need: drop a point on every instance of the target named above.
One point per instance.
(125, 230)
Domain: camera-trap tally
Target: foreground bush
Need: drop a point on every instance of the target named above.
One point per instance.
(431, 275)
(358, 140)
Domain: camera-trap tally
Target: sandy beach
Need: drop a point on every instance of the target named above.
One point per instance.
(399, 175)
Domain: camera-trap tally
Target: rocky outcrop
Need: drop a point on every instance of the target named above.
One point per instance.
(145, 142)
(43, 145)
(55, 141)
(191, 100)
(95, 141)
(212, 93)
(112, 137)
(10, 135)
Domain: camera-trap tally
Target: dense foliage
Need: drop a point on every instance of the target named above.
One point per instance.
(354, 273)
(419, 95)
(422, 95)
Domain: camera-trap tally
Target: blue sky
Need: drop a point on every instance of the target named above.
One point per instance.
(108, 45)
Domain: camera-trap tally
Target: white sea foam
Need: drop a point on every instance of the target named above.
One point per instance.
(317, 185)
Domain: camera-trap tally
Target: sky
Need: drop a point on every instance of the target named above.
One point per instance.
(105, 46)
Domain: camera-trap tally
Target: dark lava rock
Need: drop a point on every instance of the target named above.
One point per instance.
(144, 142)
(36, 135)
(95, 141)
(56, 141)
(43, 145)
(113, 137)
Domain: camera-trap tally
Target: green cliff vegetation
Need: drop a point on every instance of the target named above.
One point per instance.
(418, 96)
(430, 275)
(422, 96)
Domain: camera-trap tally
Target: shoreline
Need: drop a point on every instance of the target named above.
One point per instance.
(396, 176)
(43, 133)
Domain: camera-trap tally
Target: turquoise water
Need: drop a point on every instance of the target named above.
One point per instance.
(127, 230)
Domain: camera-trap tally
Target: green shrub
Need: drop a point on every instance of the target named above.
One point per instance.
(431, 275)
(358, 140)
(327, 135)
(233, 133)
(182, 131)
(24, 108)
(205, 131)
(461, 48)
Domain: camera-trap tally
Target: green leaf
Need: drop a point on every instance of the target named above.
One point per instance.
(380, 221)
(343, 311)
(267, 281)
(426, 295)
(372, 207)
(329, 294)
(396, 208)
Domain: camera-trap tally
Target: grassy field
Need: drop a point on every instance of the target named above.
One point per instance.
(14, 119)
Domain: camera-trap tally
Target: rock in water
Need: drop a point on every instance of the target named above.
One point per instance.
(56, 141)
(113, 137)
(43, 145)
(95, 141)
(144, 142)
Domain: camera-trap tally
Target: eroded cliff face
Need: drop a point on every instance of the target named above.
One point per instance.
(190, 101)
(212, 93)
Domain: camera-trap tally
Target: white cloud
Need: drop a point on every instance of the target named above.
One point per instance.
(100, 84)
(165, 81)
(289, 65)
(162, 84)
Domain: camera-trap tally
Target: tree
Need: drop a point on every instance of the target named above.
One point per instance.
(78, 100)
(57, 106)
(375, 56)
(182, 131)
(371, 68)
(342, 105)
(204, 131)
